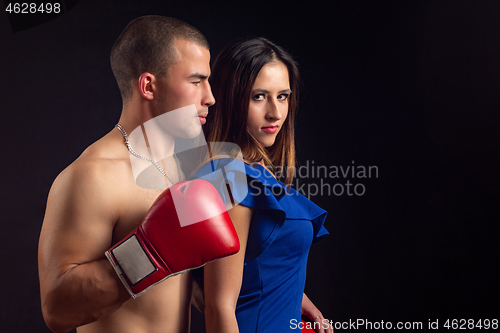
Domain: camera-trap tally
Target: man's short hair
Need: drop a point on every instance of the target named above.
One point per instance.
(146, 45)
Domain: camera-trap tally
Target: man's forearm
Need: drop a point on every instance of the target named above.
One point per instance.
(82, 295)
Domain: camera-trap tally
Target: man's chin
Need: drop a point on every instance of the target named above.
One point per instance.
(192, 133)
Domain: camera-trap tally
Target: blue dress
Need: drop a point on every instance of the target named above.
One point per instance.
(284, 226)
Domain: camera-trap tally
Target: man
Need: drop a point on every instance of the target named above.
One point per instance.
(161, 64)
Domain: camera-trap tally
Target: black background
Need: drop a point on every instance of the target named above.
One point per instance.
(408, 86)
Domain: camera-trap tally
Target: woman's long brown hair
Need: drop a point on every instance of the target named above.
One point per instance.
(233, 76)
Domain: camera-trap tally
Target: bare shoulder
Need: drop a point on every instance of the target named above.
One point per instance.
(96, 178)
(85, 202)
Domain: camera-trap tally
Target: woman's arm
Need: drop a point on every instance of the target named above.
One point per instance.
(311, 311)
(223, 279)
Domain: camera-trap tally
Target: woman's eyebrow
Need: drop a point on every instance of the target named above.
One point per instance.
(267, 91)
(261, 91)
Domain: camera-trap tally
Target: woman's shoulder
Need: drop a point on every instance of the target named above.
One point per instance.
(252, 185)
(276, 204)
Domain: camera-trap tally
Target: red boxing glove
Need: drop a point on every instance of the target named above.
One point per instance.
(307, 329)
(186, 227)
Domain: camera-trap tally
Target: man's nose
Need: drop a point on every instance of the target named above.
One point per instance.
(208, 99)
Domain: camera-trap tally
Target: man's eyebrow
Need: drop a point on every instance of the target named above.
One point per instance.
(198, 76)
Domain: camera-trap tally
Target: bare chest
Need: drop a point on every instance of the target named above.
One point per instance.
(135, 204)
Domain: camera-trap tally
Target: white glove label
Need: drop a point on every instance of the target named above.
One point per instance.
(133, 260)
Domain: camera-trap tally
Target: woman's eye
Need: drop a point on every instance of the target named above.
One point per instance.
(283, 97)
(258, 97)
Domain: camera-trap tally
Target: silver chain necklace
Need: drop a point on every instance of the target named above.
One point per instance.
(131, 150)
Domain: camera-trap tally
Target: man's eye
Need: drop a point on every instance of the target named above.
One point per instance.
(258, 97)
(196, 83)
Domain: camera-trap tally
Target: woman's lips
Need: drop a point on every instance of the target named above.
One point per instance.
(270, 129)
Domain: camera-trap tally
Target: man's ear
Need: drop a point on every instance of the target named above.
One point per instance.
(146, 85)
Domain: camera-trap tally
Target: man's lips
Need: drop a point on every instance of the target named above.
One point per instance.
(270, 129)
(202, 118)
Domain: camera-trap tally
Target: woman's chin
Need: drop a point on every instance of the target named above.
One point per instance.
(267, 144)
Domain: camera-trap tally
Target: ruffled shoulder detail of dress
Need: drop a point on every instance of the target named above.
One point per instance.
(273, 202)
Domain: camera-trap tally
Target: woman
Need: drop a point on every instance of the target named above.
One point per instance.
(260, 289)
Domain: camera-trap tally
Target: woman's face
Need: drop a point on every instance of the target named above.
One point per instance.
(268, 107)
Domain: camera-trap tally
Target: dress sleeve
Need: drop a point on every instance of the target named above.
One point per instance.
(275, 204)
(228, 176)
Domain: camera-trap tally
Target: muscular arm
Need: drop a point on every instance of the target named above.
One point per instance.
(77, 284)
(223, 279)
